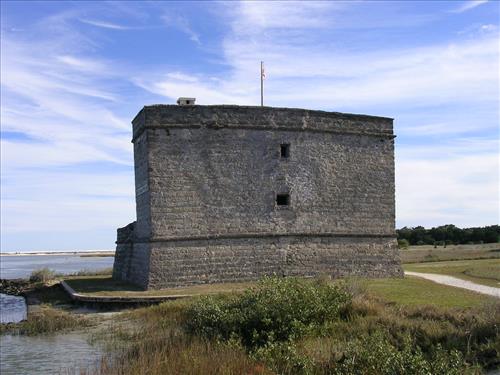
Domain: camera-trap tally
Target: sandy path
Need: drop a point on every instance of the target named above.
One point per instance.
(456, 282)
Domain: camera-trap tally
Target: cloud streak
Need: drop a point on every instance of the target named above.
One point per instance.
(105, 25)
(468, 5)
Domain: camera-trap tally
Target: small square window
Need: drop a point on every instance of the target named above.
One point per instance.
(283, 199)
(285, 150)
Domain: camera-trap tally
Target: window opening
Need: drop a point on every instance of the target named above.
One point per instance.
(285, 150)
(283, 199)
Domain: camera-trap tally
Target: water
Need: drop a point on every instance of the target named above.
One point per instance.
(68, 353)
(12, 309)
(14, 267)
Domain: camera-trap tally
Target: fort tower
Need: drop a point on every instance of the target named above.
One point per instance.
(231, 193)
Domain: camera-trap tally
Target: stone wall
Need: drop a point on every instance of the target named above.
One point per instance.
(206, 184)
(245, 259)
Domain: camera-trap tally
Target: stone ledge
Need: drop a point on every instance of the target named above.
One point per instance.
(259, 118)
(79, 297)
(257, 236)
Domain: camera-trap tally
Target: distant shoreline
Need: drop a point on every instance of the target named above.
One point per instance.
(84, 253)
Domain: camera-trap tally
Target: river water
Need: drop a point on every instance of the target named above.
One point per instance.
(21, 266)
(12, 309)
(68, 353)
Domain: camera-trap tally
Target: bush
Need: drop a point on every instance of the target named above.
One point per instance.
(284, 358)
(376, 355)
(403, 243)
(42, 275)
(278, 309)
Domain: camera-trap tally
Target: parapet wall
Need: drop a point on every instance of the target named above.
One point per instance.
(247, 117)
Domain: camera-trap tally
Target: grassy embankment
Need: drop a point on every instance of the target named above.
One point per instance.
(51, 313)
(408, 322)
(50, 306)
(428, 253)
(412, 323)
(289, 326)
(476, 263)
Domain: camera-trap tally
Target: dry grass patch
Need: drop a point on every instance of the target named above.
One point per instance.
(428, 253)
(47, 320)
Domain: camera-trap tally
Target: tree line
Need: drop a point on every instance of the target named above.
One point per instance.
(449, 234)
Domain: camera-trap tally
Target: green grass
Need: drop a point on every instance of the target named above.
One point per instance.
(427, 253)
(413, 291)
(106, 286)
(481, 271)
(371, 336)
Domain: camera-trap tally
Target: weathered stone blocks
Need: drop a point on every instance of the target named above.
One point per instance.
(207, 178)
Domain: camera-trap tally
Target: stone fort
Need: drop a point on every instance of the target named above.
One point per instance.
(230, 193)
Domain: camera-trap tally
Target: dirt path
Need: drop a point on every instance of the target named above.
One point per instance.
(456, 282)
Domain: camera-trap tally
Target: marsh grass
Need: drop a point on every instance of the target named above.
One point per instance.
(366, 335)
(151, 340)
(86, 272)
(42, 275)
(47, 320)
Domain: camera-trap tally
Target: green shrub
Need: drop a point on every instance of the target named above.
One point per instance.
(278, 309)
(284, 358)
(403, 243)
(42, 275)
(376, 355)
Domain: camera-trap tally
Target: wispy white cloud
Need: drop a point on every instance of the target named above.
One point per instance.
(455, 183)
(251, 17)
(67, 103)
(82, 64)
(459, 72)
(468, 5)
(63, 102)
(83, 201)
(182, 24)
(306, 72)
(181, 77)
(104, 24)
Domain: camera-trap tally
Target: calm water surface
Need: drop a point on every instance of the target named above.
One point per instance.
(14, 267)
(68, 353)
(12, 309)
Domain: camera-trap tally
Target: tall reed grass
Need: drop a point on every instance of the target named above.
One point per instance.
(361, 334)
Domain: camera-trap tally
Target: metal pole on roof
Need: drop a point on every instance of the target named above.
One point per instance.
(262, 83)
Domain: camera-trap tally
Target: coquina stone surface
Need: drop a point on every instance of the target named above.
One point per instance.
(207, 180)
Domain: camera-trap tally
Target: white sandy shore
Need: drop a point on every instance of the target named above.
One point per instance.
(76, 252)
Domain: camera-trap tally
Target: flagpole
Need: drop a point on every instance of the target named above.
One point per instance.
(261, 85)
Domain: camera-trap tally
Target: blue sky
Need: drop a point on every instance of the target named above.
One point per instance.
(73, 75)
